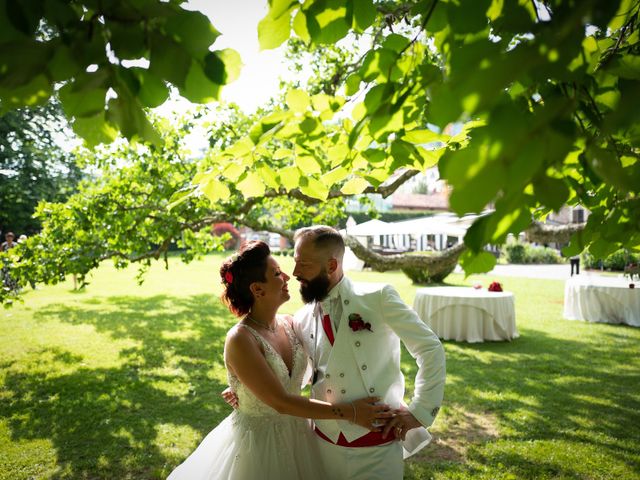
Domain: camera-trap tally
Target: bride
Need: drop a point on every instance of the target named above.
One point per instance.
(268, 435)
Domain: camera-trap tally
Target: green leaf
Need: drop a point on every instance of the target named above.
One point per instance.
(95, 130)
(300, 26)
(509, 222)
(298, 100)
(625, 66)
(198, 88)
(307, 164)
(334, 176)
(267, 125)
(8, 32)
(552, 192)
(327, 21)
(24, 15)
(278, 8)
(354, 186)
(126, 112)
(153, 91)
(127, 40)
(336, 154)
(215, 190)
(252, 185)
(62, 65)
(364, 14)
(395, 42)
(192, 30)
(168, 60)
(85, 96)
(36, 92)
(232, 64)
(352, 85)
(422, 136)
(268, 176)
(281, 153)
(309, 125)
(180, 197)
(480, 262)
(468, 16)
(272, 32)
(21, 61)
(233, 171)
(289, 177)
(314, 188)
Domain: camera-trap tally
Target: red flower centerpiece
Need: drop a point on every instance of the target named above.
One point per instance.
(356, 323)
(495, 287)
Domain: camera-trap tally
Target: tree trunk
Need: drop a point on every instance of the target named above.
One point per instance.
(419, 267)
(541, 233)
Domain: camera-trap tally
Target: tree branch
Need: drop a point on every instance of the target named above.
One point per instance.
(541, 233)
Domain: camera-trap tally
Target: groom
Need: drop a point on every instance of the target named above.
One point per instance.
(352, 334)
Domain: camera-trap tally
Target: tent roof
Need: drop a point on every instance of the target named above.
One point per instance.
(368, 229)
(441, 224)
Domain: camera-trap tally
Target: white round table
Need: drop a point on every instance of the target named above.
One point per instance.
(466, 314)
(602, 299)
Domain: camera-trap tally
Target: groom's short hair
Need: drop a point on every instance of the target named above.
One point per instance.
(324, 238)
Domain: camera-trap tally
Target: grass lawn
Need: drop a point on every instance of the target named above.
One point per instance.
(122, 381)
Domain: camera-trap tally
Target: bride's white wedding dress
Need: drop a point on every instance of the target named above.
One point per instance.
(255, 441)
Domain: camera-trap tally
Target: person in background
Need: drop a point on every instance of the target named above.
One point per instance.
(9, 242)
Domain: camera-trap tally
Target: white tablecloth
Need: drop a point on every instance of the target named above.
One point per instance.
(467, 314)
(602, 299)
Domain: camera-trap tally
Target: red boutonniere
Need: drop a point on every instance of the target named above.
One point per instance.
(356, 323)
(495, 287)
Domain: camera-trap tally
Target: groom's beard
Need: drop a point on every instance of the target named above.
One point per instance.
(315, 289)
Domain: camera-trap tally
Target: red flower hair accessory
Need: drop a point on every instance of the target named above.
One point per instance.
(228, 276)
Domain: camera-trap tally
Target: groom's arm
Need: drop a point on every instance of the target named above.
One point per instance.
(425, 347)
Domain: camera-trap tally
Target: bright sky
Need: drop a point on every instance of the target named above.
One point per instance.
(237, 21)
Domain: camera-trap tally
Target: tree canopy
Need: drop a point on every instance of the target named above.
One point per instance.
(108, 61)
(545, 90)
(541, 96)
(33, 166)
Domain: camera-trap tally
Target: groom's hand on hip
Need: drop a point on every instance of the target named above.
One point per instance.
(401, 423)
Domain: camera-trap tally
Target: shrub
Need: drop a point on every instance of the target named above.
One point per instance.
(527, 253)
(515, 253)
(220, 229)
(616, 261)
(544, 255)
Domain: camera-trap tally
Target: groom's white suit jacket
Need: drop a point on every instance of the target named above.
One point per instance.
(367, 363)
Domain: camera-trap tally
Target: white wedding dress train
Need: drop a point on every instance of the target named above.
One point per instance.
(255, 441)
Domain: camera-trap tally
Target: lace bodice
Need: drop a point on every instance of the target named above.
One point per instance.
(251, 406)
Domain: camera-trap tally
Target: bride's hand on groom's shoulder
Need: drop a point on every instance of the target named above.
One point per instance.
(230, 397)
(370, 414)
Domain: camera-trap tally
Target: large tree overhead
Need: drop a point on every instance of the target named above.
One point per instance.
(108, 60)
(542, 96)
(547, 93)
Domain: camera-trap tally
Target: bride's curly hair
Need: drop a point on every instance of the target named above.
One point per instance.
(239, 271)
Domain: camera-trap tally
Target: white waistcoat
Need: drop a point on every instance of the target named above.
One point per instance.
(367, 362)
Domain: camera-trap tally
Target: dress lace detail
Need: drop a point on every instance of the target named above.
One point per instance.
(249, 404)
(255, 441)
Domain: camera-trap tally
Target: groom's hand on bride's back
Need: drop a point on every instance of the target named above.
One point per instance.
(230, 397)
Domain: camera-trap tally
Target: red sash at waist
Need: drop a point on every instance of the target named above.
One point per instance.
(371, 439)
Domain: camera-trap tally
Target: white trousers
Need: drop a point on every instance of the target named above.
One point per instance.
(363, 463)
